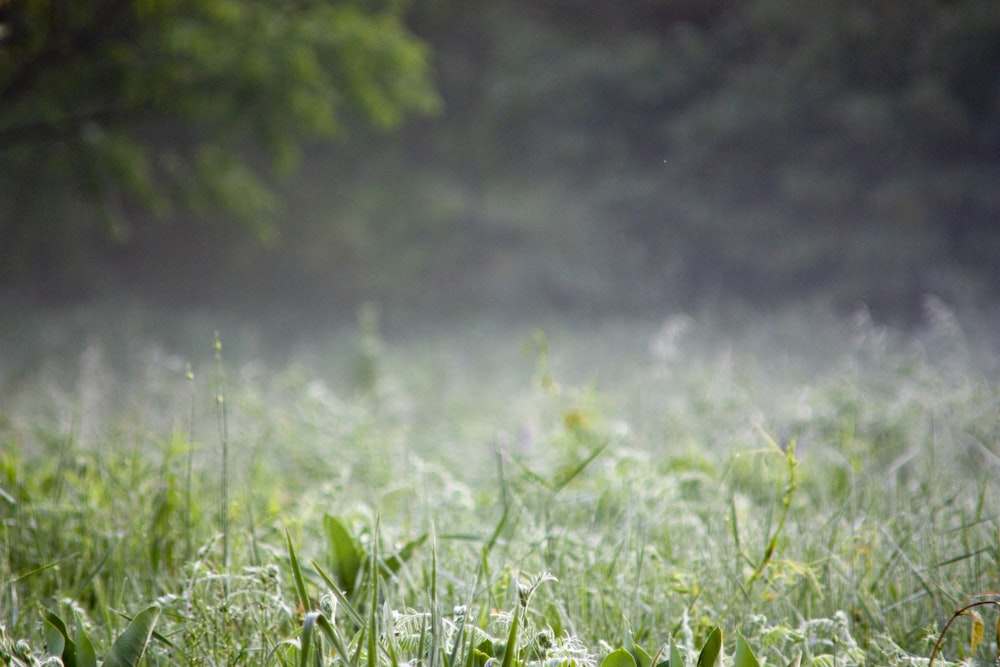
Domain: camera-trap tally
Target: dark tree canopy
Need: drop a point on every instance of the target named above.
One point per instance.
(150, 106)
(641, 152)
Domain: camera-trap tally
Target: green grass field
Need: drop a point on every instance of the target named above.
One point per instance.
(482, 494)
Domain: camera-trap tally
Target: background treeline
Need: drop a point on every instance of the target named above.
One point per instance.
(558, 152)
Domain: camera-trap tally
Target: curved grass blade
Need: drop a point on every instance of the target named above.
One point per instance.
(331, 632)
(344, 603)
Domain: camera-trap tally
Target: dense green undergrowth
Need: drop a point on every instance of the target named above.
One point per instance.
(618, 493)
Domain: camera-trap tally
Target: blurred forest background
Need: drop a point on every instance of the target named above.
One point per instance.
(455, 154)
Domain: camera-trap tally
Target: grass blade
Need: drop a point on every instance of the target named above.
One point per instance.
(300, 586)
(510, 652)
(343, 601)
(372, 628)
(305, 643)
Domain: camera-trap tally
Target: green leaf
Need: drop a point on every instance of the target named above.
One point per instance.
(511, 648)
(342, 599)
(85, 654)
(619, 658)
(343, 554)
(334, 636)
(642, 658)
(676, 660)
(710, 651)
(393, 564)
(130, 645)
(744, 655)
(372, 628)
(55, 636)
(306, 639)
(57, 640)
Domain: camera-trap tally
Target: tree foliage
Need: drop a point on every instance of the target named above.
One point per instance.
(155, 106)
(646, 151)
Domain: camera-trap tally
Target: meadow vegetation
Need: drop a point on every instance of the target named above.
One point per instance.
(787, 489)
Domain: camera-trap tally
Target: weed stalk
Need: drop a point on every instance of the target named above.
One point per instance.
(220, 401)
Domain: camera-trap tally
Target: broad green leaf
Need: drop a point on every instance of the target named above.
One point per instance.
(642, 658)
(619, 658)
(342, 553)
(710, 651)
(85, 654)
(130, 645)
(55, 636)
(744, 655)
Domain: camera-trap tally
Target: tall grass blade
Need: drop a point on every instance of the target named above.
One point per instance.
(300, 585)
(334, 636)
(305, 640)
(189, 471)
(372, 629)
(343, 602)
(223, 424)
(510, 652)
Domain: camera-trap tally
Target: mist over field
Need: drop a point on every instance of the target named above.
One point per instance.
(484, 333)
